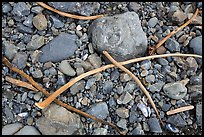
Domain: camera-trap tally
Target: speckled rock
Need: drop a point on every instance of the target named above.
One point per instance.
(40, 22)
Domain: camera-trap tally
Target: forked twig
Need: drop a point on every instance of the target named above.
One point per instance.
(181, 109)
(136, 80)
(20, 83)
(47, 101)
(153, 48)
(68, 14)
(8, 64)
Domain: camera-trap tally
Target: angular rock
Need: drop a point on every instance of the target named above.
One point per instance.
(175, 90)
(125, 77)
(58, 49)
(10, 50)
(134, 6)
(172, 45)
(23, 29)
(114, 75)
(10, 129)
(20, 9)
(107, 87)
(124, 98)
(37, 73)
(28, 130)
(138, 130)
(95, 60)
(66, 68)
(56, 22)
(78, 86)
(120, 35)
(179, 16)
(100, 110)
(20, 60)
(122, 123)
(36, 42)
(40, 22)
(177, 120)
(154, 125)
(122, 112)
(156, 87)
(29, 21)
(90, 83)
(59, 121)
(83, 8)
(196, 45)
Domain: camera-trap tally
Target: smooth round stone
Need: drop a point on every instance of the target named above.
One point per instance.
(40, 22)
(152, 22)
(175, 90)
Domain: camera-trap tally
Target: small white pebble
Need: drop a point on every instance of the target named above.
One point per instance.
(78, 27)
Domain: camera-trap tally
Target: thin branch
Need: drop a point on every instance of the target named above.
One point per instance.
(153, 48)
(47, 101)
(181, 109)
(68, 14)
(8, 64)
(20, 83)
(136, 80)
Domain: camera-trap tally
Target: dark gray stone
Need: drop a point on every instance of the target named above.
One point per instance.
(138, 130)
(100, 110)
(172, 45)
(9, 113)
(20, 60)
(115, 75)
(154, 125)
(23, 29)
(58, 49)
(177, 120)
(28, 130)
(83, 8)
(196, 45)
(166, 107)
(120, 35)
(162, 61)
(107, 87)
(29, 21)
(56, 22)
(20, 9)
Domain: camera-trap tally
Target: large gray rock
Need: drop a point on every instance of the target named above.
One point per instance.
(59, 121)
(196, 45)
(28, 130)
(120, 35)
(11, 128)
(58, 49)
(83, 8)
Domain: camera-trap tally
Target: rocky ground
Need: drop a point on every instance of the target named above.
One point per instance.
(54, 49)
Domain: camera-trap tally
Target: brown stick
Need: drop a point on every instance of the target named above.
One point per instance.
(181, 109)
(7, 63)
(68, 14)
(47, 101)
(153, 48)
(136, 80)
(20, 83)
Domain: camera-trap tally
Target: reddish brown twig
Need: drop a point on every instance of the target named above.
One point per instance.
(8, 64)
(20, 83)
(47, 101)
(153, 48)
(181, 109)
(136, 80)
(68, 14)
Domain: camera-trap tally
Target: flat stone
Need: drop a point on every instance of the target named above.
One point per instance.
(196, 45)
(152, 22)
(100, 110)
(66, 68)
(124, 98)
(172, 45)
(177, 120)
(154, 125)
(23, 29)
(122, 112)
(121, 41)
(150, 78)
(175, 90)
(179, 16)
(10, 50)
(122, 123)
(100, 131)
(28, 130)
(20, 9)
(36, 42)
(56, 22)
(20, 60)
(156, 87)
(57, 120)
(95, 60)
(10, 129)
(40, 22)
(58, 49)
(78, 86)
(37, 9)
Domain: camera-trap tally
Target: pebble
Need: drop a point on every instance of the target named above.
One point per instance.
(40, 22)
(8, 112)
(124, 77)
(30, 121)
(100, 110)
(114, 75)
(23, 29)
(100, 131)
(20, 60)
(122, 123)
(156, 87)
(37, 9)
(10, 129)
(60, 48)
(79, 70)
(91, 49)
(144, 73)
(124, 98)
(175, 90)
(66, 68)
(36, 42)
(78, 86)
(56, 22)
(122, 112)
(161, 50)
(152, 22)
(146, 64)
(172, 45)
(6, 8)
(29, 21)
(130, 86)
(150, 78)
(177, 120)
(138, 130)
(199, 114)
(166, 107)
(111, 102)
(90, 83)
(37, 96)
(134, 6)
(10, 50)
(20, 9)
(162, 61)
(154, 125)
(37, 73)
(24, 96)
(95, 60)
(196, 45)
(179, 16)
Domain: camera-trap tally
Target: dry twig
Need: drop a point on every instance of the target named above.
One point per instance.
(20, 83)
(153, 48)
(8, 64)
(47, 101)
(68, 14)
(136, 80)
(181, 109)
